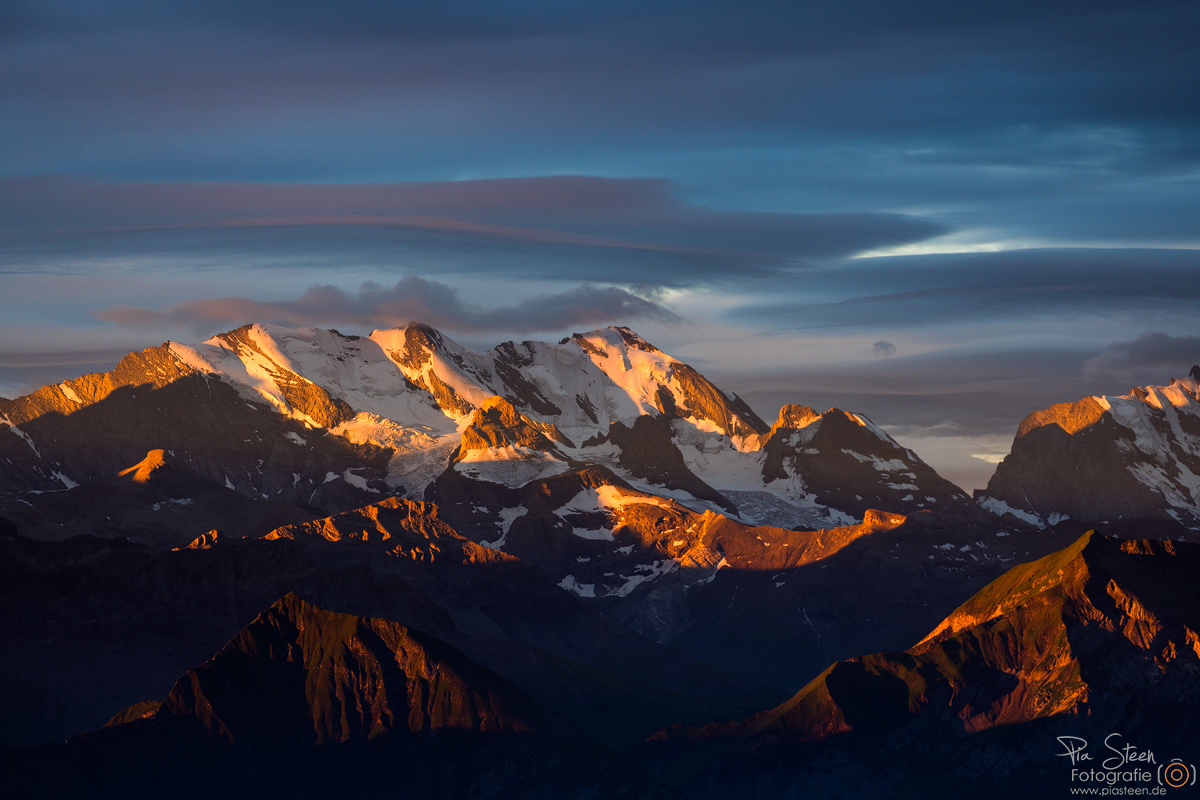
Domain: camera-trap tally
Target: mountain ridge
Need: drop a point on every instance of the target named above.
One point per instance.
(412, 391)
(1095, 638)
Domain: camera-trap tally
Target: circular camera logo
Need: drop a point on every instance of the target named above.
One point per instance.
(1177, 774)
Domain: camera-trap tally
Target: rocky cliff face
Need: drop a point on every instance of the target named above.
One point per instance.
(1105, 458)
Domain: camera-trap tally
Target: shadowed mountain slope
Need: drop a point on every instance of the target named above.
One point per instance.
(304, 702)
(764, 602)
(155, 502)
(94, 625)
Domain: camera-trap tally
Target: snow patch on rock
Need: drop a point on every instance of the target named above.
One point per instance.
(507, 517)
(1000, 508)
(582, 589)
(67, 482)
(645, 572)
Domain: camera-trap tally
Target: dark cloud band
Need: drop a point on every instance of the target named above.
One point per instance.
(635, 230)
(942, 290)
(412, 299)
(1149, 358)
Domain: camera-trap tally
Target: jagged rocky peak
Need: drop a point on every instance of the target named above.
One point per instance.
(419, 334)
(405, 529)
(348, 664)
(800, 424)
(497, 424)
(791, 418)
(844, 461)
(1139, 593)
(412, 346)
(794, 416)
(244, 338)
(503, 446)
(458, 378)
(615, 335)
(1071, 417)
(1105, 458)
(256, 360)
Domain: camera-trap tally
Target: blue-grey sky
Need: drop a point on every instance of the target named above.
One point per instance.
(943, 214)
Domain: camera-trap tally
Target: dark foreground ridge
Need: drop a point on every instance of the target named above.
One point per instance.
(306, 702)
(1095, 639)
(95, 624)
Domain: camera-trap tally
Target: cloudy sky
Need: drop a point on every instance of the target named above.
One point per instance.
(942, 214)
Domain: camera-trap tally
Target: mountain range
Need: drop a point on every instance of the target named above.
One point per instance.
(579, 565)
